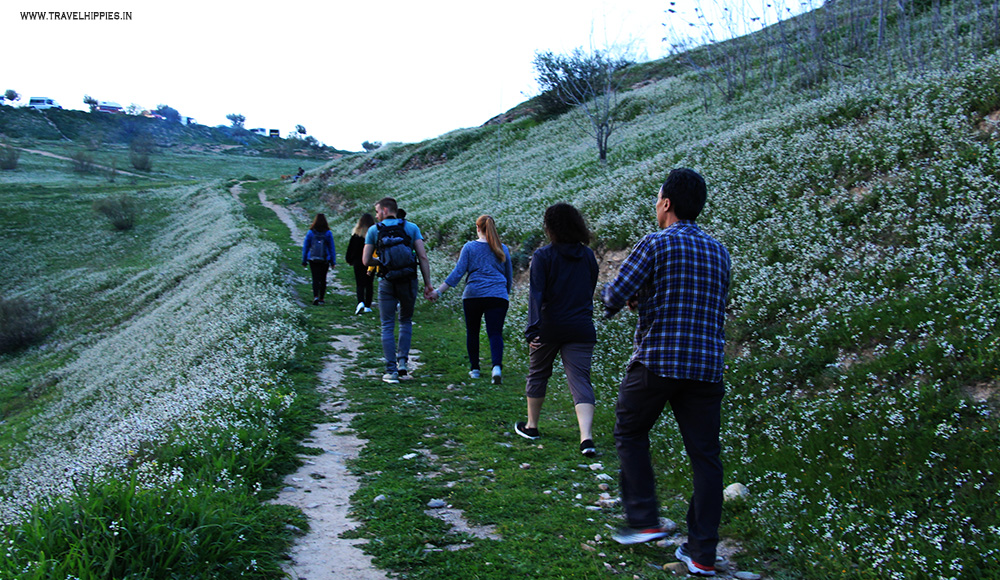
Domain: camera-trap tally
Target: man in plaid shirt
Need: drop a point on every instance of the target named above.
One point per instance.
(677, 279)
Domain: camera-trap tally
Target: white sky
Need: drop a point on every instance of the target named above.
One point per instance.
(387, 70)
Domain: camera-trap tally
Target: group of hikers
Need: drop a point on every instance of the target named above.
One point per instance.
(676, 279)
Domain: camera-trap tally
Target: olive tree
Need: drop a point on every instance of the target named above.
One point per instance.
(588, 81)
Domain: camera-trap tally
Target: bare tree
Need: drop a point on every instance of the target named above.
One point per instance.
(588, 81)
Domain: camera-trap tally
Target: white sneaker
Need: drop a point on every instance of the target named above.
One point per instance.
(497, 379)
(361, 306)
(367, 309)
(474, 373)
(392, 377)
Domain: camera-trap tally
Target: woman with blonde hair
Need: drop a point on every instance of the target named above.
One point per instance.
(319, 255)
(363, 281)
(485, 263)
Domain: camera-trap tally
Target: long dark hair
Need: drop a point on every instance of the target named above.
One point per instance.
(364, 222)
(564, 224)
(319, 224)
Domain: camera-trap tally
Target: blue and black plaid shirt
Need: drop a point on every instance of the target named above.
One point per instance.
(680, 277)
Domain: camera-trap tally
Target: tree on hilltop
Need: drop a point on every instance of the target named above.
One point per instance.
(90, 102)
(300, 129)
(11, 95)
(585, 80)
(371, 145)
(237, 120)
(169, 113)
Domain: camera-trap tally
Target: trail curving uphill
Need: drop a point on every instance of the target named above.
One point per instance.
(323, 486)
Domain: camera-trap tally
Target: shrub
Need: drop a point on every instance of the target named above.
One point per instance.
(21, 325)
(141, 153)
(83, 162)
(9, 156)
(121, 211)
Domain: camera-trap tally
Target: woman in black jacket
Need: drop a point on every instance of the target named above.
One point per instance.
(362, 280)
(561, 319)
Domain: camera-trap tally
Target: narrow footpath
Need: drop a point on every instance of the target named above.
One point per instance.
(323, 486)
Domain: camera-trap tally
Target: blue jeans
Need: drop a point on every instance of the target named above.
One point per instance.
(390, 296)
(697, 409)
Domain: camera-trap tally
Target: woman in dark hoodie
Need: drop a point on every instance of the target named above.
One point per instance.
(319, 255)
(561, 319)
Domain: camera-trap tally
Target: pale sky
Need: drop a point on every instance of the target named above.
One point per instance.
(385, 71)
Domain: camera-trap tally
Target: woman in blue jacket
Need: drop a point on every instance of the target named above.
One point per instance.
(319, 254)
(485, 263)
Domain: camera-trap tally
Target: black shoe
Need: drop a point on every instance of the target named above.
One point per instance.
(522, 429)
(315, 301)
(587, 448)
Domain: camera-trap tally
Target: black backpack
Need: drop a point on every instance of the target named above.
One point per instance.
(397, 261)
(317, 248)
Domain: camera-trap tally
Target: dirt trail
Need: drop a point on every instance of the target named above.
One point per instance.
(101, 167)
(323, 486)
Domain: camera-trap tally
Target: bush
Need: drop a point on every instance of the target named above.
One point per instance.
(9, 157)
(141, 153)
(121, 211)
(21, 325)
(83, 162)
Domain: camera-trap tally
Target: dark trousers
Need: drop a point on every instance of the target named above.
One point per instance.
(364, 284)
(319, 268)
(697, 408)
(494, 310)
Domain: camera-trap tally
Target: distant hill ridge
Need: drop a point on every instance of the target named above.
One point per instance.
(94, 129)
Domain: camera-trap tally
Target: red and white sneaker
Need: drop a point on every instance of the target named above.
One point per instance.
(694, 568)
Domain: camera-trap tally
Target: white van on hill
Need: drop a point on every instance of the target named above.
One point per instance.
(41, 103)
(109, 107)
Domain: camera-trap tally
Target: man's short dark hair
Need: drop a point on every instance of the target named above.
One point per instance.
(685, 188)
(387, 203)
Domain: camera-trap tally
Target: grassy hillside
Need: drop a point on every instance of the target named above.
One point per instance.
(94, 131)
(861, 213)
(854, 174)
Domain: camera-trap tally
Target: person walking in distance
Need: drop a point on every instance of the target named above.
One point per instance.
(678, 280)
(363, 282)
(400, 249)
(319, 255)
(485, 263)
(561, 320)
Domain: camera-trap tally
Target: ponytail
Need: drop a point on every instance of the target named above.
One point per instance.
(488, 226)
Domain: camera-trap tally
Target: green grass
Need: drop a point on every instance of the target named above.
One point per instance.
(188, 503)
(860, 209)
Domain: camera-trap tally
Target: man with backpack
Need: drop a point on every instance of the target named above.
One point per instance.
(396, 248)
